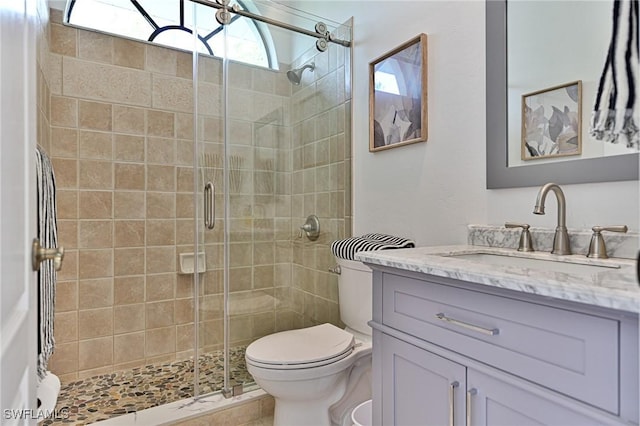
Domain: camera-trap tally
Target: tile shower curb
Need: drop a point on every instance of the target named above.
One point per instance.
(182, 410)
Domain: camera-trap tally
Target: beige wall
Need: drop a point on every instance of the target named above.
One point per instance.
(43, 92)
(321, 184)
(118, 118)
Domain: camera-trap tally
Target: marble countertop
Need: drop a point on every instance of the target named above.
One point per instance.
(610, 288)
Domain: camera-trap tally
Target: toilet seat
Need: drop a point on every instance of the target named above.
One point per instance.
(300, 349)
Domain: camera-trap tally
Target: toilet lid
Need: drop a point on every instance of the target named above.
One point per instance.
(303, 348)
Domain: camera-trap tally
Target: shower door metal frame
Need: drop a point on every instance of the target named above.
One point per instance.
(320, 33)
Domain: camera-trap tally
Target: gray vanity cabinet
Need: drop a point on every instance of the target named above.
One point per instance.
(492, 400)
(447, 352)
(425, 389)
(421, 388)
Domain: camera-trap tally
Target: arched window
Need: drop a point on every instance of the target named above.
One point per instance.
(171, 23)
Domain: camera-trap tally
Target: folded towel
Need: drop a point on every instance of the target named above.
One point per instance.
(617, 105)
(347, 248)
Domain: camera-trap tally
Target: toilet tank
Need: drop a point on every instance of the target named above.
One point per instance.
(354, 295)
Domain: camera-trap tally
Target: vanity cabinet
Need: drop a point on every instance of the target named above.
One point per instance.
(448, 352)
(492, 400)
(419, 387)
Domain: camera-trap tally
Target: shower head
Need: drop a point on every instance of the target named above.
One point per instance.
(295, 76)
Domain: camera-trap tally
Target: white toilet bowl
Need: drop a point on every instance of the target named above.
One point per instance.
(307, 371)
(318, 374)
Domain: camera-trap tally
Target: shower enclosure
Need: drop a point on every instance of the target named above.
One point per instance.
(273, 148)
(183, 238)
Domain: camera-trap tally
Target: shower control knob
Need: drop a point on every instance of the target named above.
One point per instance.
(311, 227)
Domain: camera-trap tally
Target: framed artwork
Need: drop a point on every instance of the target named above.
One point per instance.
(552, 122)
(398, 96)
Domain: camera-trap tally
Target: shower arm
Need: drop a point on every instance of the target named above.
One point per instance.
(326, 36)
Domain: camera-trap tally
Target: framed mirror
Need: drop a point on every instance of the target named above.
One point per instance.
(499, 173)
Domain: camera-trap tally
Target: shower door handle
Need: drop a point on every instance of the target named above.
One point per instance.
(209, 205)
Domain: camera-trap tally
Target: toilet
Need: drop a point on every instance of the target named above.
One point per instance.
(318, 374)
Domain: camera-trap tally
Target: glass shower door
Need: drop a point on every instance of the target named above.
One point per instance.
(210, 224)
(259, 214)
(209, 203)
(288, 157)
(273, 150)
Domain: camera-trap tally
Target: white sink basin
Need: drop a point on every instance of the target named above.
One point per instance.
(531, 263)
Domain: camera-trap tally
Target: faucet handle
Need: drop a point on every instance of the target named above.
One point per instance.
(597, 248)
(612, 228)
(525, 243)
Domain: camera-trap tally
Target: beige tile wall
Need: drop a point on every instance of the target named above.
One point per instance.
(43, 77)
(321, 182)
(260, 226)
(119, 113)
(120, 125)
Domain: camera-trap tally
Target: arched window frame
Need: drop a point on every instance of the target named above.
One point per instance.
(179, 24)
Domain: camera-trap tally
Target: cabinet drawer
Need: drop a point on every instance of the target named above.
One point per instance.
(570, 352)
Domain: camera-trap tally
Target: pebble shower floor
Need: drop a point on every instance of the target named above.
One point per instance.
(109, 395)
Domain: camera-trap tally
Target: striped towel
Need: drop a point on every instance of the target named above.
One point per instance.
(347, 248)
(616, 112)
(48, 236)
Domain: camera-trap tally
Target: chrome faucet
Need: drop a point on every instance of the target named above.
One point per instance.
(561, 238)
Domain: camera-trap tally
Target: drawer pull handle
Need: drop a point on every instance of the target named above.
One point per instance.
(487, 331)
(452, 388)
(470, 393)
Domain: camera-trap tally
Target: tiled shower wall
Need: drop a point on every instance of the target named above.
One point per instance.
(42, 77)
(121, 144)
(321, 178)
(260, 226)
(119, 115)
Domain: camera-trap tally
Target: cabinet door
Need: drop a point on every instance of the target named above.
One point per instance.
(420, 388)
(492, 402)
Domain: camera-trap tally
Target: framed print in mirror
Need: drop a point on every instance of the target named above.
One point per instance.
(552, 122)
(398, 96)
